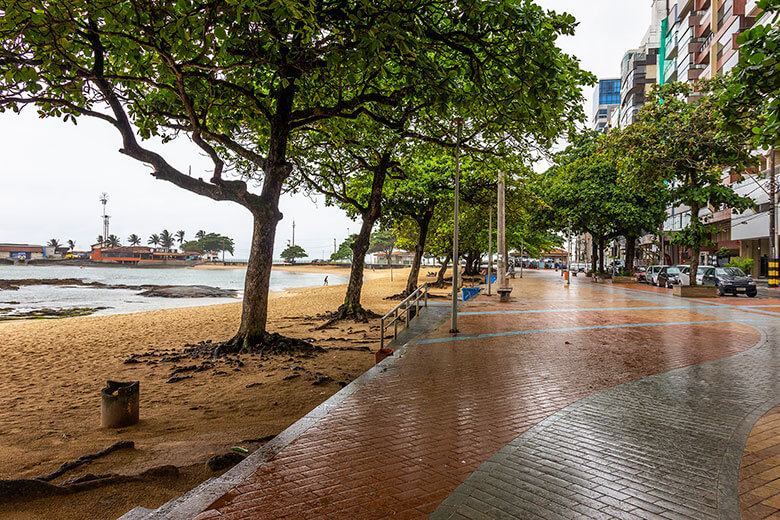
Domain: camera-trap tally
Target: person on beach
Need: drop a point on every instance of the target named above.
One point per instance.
(326, 282)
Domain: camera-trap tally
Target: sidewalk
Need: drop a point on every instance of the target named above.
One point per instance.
(534, 385)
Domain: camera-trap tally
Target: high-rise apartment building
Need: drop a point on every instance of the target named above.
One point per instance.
(606, 99)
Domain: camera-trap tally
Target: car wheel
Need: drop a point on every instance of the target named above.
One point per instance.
(721, 292)
(752, 294)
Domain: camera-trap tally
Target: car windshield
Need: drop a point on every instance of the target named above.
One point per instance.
(685, 269)
(640, 268)
(729, 271)
(672, 270)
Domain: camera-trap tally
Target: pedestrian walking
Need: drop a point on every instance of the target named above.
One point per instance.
(325, 284)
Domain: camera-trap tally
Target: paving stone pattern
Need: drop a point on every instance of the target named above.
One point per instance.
(662, 447)
(404, 441)
(759, 474)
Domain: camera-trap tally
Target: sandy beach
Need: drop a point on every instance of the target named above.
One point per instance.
(53, 371)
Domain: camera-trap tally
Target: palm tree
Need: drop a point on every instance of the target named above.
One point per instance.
(71, 244)
(180, 236)
(99, 240)
(200, 234)
(113, 241)
(134, 239)
(54, 243)
(154, 239)
(166, 239)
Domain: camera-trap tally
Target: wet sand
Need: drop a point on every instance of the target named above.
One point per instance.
(53, 370)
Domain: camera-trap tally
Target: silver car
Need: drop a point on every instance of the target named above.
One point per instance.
(652, 273)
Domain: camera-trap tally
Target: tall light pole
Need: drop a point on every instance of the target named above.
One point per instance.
(490, 247)
(455, 258)
(502, 265)
(104, 201)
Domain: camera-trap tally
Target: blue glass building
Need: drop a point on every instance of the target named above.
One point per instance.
(606, 99)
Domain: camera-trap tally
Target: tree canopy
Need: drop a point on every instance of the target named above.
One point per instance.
(290, 253)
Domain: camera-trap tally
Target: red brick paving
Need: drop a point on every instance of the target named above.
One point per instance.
(759, 475)
(405, 441)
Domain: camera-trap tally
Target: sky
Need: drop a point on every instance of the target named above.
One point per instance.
(53, 173)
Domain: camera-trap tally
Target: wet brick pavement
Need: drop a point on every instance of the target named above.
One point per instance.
(575, 411)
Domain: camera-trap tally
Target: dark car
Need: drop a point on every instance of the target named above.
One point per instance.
(728, 280)
(640, 272)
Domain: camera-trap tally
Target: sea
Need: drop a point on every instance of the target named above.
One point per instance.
(119, 301)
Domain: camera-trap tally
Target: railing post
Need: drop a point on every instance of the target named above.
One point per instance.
(382, 334)
(406, 312)
(395, 322)
(426, 294)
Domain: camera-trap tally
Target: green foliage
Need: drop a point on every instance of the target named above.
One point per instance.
(292, 252)
(756, 80)
(681, 141)
(746, 264)
(723, 251)
(344, 251)
(154, 240)
(134, 239)
(113, 241)
(166, 239)
(383, 241)
(54, 243)
(210, 243)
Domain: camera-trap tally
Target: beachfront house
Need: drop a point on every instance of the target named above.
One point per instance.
(143, 255)
(22, 252)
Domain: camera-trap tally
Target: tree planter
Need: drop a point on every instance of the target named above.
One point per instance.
(623, 279)
(588, 274)
(381, 354)
(600, 278)
(698, 291)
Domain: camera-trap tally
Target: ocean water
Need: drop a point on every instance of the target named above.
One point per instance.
(120, 301)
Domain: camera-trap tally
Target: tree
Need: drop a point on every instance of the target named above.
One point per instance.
(344, 251)
(756, 81)
(210, 243)
(71, 244)
(54, 243)
(241, 79)
(383, 241)
(99, 240)
(180, 236)
(154, 239)
(293, 252)
(682, 144)
(134, 240)
(586, 192)
(200, 234)
(166, 239)
(113, 241)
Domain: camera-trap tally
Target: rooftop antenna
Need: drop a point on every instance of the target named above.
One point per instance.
(104, 201)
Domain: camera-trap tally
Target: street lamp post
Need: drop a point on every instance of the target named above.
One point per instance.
(455, 258)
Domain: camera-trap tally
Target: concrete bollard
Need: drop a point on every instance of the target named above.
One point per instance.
(119, 404)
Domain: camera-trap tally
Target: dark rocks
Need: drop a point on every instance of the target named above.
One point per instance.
(220, 462)
(176, 379)
(188, 291)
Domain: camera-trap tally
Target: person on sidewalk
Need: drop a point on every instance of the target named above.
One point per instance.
(325, 283)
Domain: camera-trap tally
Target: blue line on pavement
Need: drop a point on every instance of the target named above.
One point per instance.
(478, 313)
(591, 327)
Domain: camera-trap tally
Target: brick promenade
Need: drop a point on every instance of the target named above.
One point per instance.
(568, 389)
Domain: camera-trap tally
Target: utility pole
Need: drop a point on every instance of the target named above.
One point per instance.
(490, 247)
(568, 261)
(774, 266)
(502, 265)
(334, 246)
(293, 240)
(455, 258)
(104, 201)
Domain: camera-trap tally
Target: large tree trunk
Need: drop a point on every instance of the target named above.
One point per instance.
(696, 250)
(351, 307)
(630, 254)
(423, 223)
(601, 254)
(443, 269)
(594, 255)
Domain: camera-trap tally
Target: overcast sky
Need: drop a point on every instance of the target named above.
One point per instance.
(53, 172)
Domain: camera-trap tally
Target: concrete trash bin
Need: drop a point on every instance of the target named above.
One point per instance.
(119, 404)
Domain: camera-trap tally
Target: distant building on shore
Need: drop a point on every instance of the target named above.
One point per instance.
(143, 255)
(397, 257)
(23, 252)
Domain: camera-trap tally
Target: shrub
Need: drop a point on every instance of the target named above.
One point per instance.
(746, 264)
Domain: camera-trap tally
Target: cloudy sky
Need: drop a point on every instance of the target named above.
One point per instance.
(52, 173)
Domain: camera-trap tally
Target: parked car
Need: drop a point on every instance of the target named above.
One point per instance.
(676, 275)
(652, 273)
(639, 272)
(728, 280)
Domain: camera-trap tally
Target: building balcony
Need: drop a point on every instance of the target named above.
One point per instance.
(699, 5)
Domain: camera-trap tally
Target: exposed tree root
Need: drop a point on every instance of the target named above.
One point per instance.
(86, 458)
(345, 312)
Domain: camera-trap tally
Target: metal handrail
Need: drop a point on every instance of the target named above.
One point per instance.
(402, 310)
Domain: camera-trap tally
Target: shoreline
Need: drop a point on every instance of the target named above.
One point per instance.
(54, 370)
